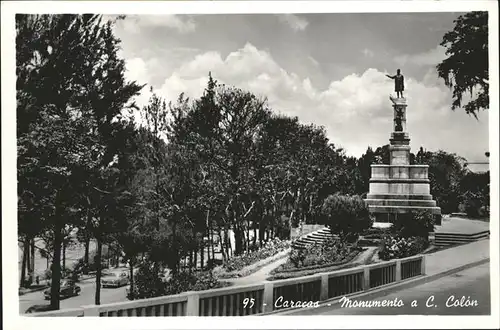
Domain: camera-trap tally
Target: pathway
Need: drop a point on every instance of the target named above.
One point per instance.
(260, 275)
(442, 261)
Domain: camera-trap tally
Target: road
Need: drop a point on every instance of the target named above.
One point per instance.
(86, 297)
(473, 284)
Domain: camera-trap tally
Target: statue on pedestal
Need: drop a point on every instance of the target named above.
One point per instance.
(399, 83)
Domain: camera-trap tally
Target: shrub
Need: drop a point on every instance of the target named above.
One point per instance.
(472, 203)
(148, 282)
(401, 247)
(418, 223)
(297, 257)
(346, 215)
(327, 252)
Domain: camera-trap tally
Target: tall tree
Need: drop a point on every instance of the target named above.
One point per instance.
(466, 68)
(71, 92)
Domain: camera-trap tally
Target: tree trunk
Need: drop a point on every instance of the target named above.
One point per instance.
(196, 258)
(202, 255)
(225, 243)
(261, 230)
(28, 258)
(32, 275)
(87, 246)
(209, 245)
(247, 241)
(98, 273)
(131, 279)
(238, 240)
(56, 265)
(190, 261)
(23, 268)
(212, 243)
(254, 235)
(222, 247)
(64, 256)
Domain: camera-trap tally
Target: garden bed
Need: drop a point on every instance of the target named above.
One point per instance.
(282, 272)
(249, 270)
(289, 268)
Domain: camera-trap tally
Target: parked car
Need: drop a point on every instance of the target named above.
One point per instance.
(39, 309)
(68, 289)
(115, 279)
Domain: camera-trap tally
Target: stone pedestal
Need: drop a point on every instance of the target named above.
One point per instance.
(398, 187)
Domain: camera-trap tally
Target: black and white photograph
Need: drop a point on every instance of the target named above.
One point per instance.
(163, 162)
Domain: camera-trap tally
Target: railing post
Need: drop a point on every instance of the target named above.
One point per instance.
(422, 265)
(90, 310)
(323, 295)
(193, 304)
(398, 270)
(366, 278)
(268, 297)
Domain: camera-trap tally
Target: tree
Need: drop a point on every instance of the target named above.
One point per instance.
(466, 68)
(223, 127)
(71, 93)
(346, 215)
(445, 173)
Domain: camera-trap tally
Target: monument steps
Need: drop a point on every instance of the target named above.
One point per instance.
(399, 196)
(402, 209)
(401, 202)
(312, 238)
(445, 239)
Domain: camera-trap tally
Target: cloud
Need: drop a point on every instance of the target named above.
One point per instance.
(295, 22)
(181, 23)
(355, 110)
(430, 57)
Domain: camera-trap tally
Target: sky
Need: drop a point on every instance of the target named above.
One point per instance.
(326, 69)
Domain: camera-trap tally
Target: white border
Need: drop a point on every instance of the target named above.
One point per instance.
(12, 320)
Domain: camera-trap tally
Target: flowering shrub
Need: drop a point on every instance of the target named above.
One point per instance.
(401, 247)
(327, 252)
(269, 249)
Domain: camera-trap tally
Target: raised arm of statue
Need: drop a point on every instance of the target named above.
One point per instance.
(392, 77)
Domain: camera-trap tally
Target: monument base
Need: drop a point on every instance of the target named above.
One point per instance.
(397, 189)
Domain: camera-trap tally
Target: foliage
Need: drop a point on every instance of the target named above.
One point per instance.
(149, 284)
(475, 198)
(472, 203)
(269, 249)
(401, 247)
(466, 67)
(416, 223)
(346, 215)
(70, 87)
(445, 173)
(325, 253)
(297, 257)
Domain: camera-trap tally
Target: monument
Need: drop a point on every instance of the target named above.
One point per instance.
(399, 188)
